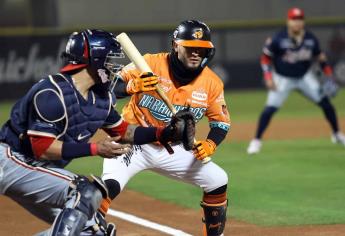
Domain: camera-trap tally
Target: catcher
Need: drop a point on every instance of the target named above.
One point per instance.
(189, 83)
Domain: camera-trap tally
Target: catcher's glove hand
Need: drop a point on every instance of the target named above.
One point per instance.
(180, 129)
(204, 148)
(330, 88)
(146, 82)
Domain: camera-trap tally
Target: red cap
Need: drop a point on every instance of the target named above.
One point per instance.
(295, 13)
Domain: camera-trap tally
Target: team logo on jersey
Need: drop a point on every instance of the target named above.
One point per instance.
(198, 34)
(165, 84)
(82, 136)
(199, 95)
(160, 111)
(303, 54)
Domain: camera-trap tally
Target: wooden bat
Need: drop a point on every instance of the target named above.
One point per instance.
(138, 60)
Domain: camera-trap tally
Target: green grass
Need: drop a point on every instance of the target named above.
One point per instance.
(246, 105)
(289, 183)
(292, 182)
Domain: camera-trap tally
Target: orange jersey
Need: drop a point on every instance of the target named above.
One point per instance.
(204, 95)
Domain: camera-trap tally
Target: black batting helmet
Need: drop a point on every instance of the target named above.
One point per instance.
(194, 33)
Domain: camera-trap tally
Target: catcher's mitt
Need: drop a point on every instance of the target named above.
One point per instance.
(180, 129)
(329, 88)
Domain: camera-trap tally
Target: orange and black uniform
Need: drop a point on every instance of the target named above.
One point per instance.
(204, 95)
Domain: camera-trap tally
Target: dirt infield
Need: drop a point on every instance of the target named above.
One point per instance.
(16, 221)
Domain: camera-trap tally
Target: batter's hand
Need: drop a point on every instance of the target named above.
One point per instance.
(146, 82)
(270, 84)
(109, 148)
(204, 148)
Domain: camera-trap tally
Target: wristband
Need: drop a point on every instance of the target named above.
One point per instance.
(75, 150)
(93, 149)
(267, 75)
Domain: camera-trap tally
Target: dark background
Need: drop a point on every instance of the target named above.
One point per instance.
(33, 33)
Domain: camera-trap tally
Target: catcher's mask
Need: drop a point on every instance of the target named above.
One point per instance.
(97, 50)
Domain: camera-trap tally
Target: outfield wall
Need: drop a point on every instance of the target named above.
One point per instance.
(28, 54)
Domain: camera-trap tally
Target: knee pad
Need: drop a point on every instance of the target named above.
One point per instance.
(114, 189)
(69, 222)
(219, 190)
(86, 195)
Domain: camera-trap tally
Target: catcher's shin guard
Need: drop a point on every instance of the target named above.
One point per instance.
(101, 227)
(69, 222)
(111, 229)
(214, 218)
(85, 196)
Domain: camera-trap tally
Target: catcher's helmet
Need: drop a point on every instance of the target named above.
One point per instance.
(96, 49)
(193, 33)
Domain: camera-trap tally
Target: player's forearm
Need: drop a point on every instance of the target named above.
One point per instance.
(266, 66)
(139, 135)
(217, 135)
(59, 150)
(133, 134)
(325, 66)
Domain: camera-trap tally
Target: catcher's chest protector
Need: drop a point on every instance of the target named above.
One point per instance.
(83, 118)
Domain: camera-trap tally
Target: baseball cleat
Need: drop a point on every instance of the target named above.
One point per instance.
(254, 146)
(338, 138)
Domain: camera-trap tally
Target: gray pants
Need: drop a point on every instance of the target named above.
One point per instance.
(309, 86)
(41, 191)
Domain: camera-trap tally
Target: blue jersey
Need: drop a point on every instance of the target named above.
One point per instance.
(54, 108)
(289, 58)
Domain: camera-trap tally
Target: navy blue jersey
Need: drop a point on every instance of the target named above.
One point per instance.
(54, 108)
(289, 58)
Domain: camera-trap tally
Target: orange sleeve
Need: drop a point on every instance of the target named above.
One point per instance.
(217, 112)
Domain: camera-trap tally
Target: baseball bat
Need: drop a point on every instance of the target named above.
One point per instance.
(138, 60)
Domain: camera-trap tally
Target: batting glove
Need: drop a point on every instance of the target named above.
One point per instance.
(204, 148)
(146, 82)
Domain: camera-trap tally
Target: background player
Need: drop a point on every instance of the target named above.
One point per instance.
(184, 76)
(52, 124)
(286, 63)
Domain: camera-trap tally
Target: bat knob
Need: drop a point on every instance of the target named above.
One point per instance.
(206, 160)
